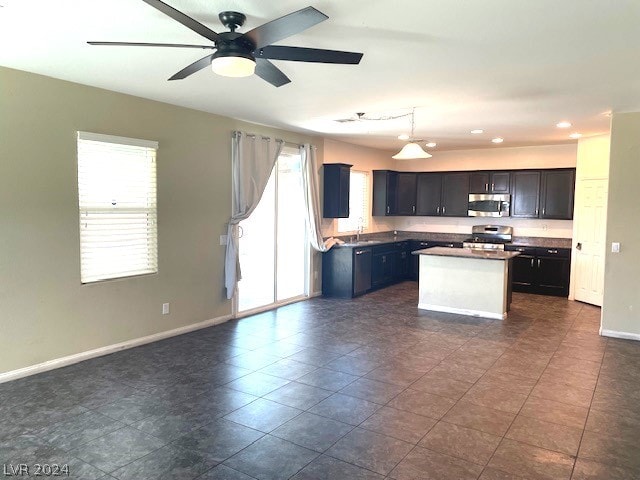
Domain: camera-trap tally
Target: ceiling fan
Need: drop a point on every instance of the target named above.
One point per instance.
(243, 54)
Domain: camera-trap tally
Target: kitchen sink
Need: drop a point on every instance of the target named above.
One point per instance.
(361, 243)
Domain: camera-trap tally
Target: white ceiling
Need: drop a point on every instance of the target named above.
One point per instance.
(511, 67)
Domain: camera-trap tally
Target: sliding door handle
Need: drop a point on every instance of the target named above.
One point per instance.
(579, 246)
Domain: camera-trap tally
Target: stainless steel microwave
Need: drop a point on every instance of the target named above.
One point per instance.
(489, 205)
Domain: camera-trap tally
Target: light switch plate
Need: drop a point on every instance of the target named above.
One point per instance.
(615, 247)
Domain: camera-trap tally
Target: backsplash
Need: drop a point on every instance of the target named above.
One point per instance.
(522, 227)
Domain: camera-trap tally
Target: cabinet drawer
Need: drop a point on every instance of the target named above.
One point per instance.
(523, 250)
(553, 252)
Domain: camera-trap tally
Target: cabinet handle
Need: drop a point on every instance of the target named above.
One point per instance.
(414, 209)
(359, 252)
(387, 208)
(384, 259)
(552, 251)
(486, 187)
(538, 263)
(444, 209)
(438, 210)
(543, 210)
(536, 212)
(493, 187)
(532, 263)
(520, 249)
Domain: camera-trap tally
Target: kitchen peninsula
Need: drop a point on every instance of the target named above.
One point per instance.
(465, 281)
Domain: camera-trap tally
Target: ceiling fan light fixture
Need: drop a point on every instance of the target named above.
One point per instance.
(410, 151)
(233, 65)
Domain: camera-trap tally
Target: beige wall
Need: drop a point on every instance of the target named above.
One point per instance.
(45, 313)
(621, 307)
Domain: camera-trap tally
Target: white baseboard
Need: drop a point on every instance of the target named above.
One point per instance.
(462, 311)
(623, 335)
(98, 352)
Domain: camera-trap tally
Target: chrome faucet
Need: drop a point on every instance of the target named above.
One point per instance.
(360, 229)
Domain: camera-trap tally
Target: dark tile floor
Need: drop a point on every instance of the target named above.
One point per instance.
(337, 389)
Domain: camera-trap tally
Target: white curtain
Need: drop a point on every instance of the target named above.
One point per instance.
(252, 160)
(310, 185)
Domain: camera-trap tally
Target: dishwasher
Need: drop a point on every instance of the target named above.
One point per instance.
(361, 270)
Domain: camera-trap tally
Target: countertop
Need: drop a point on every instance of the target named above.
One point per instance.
(467, 253)
(388, 237)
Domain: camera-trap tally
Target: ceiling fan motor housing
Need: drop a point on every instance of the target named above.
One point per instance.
(233, 44)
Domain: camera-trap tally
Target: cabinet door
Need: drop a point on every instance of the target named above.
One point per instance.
(336, 190)
(402, 265)
(406, 194)
(384, 192)
(429, 191)
(382, 269)
(524, 273)
(553, 276)
(557, 194)
(525, 194)
(455, 194)
(479, 182)
(500, 182)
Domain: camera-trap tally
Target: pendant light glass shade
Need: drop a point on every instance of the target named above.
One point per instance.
(411, 150)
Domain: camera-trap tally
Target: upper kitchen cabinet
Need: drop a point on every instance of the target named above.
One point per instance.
(428, 194)
(489, 182)
(406, 193)
(525, 193)
(556, 199)
(455, 194)
(385, 183)
(336, 190)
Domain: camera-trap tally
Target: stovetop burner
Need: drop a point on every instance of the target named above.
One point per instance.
(489, 237)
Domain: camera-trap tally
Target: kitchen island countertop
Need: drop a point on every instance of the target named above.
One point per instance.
(467, 253)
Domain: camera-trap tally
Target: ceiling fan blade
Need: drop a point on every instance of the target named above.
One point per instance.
(269, 72)
(140, 44)
(193, 68)
(301, 54)
(285, 26)
(185, 20)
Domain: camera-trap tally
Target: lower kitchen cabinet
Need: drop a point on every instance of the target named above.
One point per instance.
(541, 270)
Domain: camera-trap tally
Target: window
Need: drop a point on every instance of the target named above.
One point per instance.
(117, 203)
(358, 203)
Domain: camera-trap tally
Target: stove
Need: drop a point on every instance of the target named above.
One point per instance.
(489, 237)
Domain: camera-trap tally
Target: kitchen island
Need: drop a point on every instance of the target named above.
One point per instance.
(465, 281)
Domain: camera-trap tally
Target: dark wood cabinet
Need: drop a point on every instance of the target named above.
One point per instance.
(543, 271)
(406, 193)
(383, 269)
(428, 194)
(385, 183)
(455, 194)
(490, 182)
(556, 199)
(336, 190)
(525, 193)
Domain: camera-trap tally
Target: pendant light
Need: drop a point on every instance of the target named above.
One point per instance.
(412, 149)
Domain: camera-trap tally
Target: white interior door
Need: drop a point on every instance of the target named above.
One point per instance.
(589, 244)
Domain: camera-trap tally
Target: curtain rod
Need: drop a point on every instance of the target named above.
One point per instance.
(253, 135)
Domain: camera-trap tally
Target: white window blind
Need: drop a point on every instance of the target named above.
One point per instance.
(358, 203)
(118, 207)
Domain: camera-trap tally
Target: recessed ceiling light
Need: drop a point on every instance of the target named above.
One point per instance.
(431, 144)
(477, 131)
(497, 140)
(404, 136)
(563, 124)
(575, 135)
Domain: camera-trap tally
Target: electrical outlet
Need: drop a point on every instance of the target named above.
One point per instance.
(165, 309)
(615, 247)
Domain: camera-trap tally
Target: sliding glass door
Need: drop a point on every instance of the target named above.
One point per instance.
(274, 252)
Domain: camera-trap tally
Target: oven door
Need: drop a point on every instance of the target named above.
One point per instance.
(483, 205)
